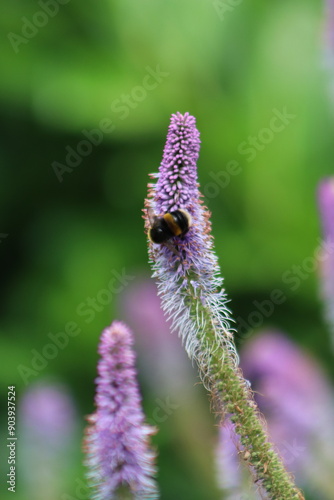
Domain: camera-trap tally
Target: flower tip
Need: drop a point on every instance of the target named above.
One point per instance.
(185, 119)
(115, 334)
(117, 329)
(326, 187)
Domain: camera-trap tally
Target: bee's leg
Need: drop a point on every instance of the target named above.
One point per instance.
(172, 249)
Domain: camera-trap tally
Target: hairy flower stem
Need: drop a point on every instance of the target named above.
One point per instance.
(192, 296)
(231, 394)
(265, 464)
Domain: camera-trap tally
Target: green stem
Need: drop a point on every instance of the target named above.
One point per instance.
(229, 388)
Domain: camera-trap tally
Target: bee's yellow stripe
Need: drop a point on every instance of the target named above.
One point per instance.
(173, 226)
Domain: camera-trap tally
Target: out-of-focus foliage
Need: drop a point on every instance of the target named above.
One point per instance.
(254, 76)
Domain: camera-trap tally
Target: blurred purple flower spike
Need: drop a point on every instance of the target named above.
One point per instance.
(48, 431)
(228, 465)
(326, 205)
(329, 33)
(48, 410)
(160, 351)
(297, 401)
(118, 453)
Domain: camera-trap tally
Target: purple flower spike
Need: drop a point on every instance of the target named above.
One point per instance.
(117, 440)
(329, 31)
(48, 432)
(228, 467)
(190, 285)
(296, 398)
(196, 266)
(326, 205)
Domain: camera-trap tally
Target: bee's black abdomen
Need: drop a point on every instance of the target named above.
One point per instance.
(181, 220)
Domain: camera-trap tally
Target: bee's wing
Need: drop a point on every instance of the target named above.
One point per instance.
(151, 216)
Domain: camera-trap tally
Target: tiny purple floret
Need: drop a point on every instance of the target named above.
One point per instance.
(117, 439)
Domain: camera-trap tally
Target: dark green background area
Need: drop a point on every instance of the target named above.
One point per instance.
(234, 71)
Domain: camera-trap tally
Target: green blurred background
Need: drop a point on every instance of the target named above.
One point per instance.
(233, 68)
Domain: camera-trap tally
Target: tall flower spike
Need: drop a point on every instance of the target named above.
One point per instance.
(197, 272)
(118, 453)
(190, 286)
(326, 205)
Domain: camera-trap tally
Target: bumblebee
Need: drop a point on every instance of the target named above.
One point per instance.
(176, 223)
